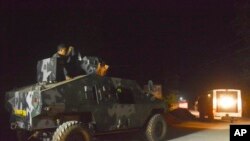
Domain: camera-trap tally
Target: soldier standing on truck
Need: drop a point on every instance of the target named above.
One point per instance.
(63, 52)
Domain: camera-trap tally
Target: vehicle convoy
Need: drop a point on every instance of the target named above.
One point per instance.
(82, 107)
(221, 104)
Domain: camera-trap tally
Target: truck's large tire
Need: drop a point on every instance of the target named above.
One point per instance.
(156, 129)
(71, 131)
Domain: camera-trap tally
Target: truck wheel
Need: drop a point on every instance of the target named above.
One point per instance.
(71, 131)
(156, 129)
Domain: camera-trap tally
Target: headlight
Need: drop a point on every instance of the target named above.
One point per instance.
(226, 102)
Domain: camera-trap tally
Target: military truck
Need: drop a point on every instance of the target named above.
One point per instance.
(82, 107)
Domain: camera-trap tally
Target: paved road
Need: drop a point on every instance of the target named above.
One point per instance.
(205, 135)
(205, 131)
(186, 131)
(179, 135)
(197, 131)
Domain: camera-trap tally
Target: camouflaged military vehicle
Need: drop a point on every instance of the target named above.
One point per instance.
(82, 107)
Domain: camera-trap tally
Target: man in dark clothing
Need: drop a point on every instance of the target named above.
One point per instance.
(62, 53)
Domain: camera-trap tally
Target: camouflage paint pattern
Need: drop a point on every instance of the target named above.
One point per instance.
(50, 70)
(111, 104)
(89, 64)
(24, 104)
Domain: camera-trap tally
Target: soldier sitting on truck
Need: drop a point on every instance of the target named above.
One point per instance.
(63, 52)
(73, 64)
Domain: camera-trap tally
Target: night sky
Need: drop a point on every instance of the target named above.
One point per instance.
(181, 44)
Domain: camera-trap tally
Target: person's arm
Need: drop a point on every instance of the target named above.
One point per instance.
(70, 50)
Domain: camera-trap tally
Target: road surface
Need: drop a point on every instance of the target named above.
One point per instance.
(187, 131)
(182, 131)
(197, 131)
